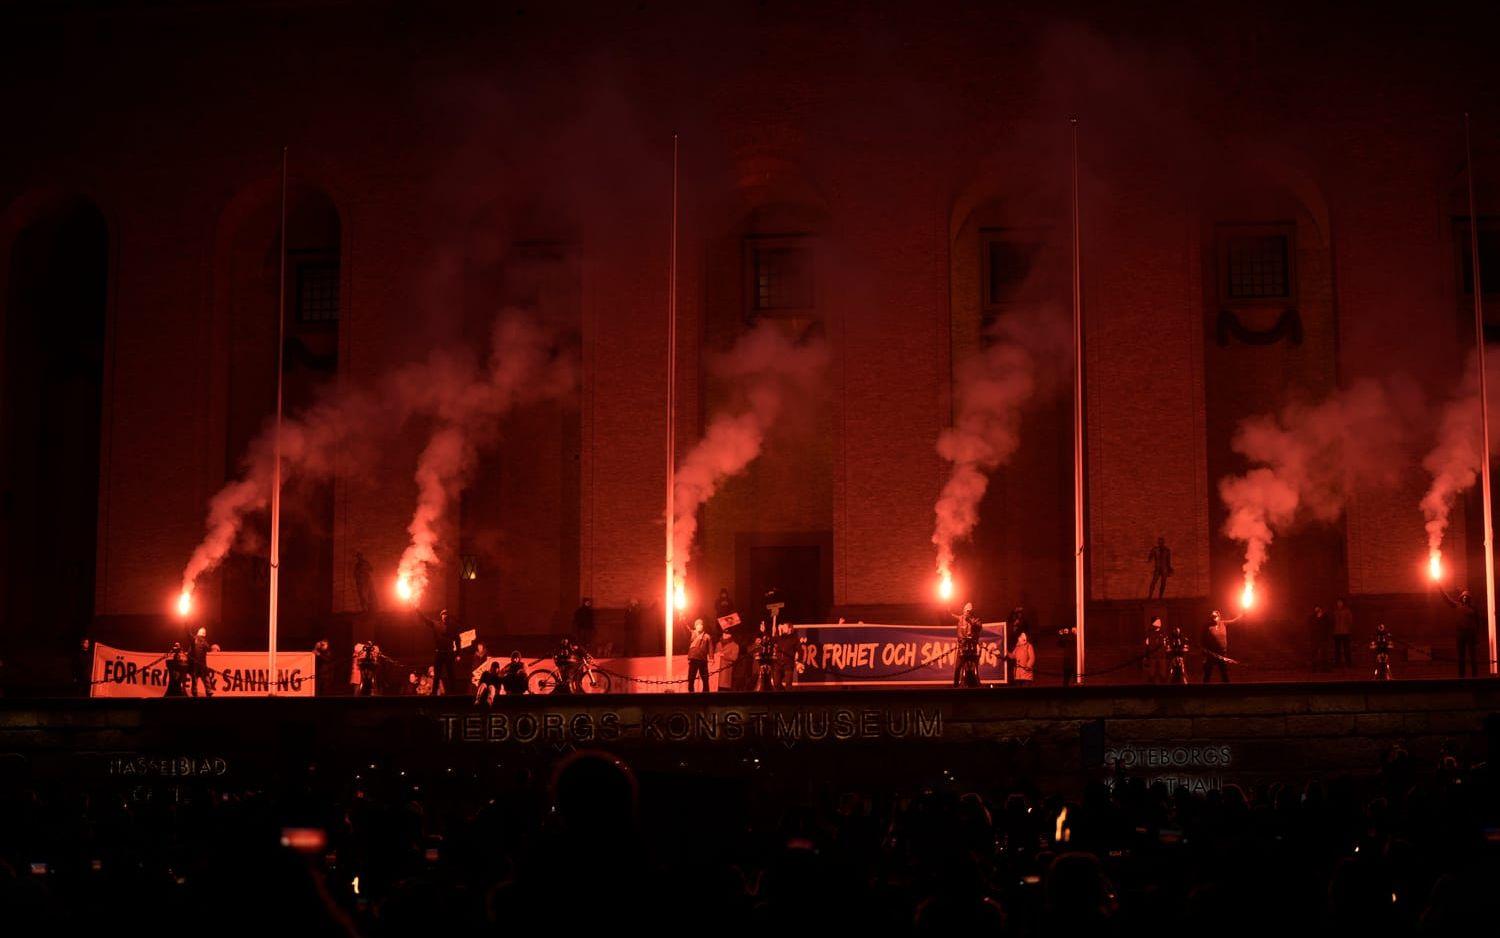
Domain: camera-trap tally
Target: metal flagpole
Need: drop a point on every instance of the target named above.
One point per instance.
(276, 457)
(1484, 398)
(1078, 584)
(669, 607)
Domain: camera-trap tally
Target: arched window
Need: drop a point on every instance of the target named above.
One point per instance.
(55, 302)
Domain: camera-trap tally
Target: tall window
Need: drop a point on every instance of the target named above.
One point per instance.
(1007, 262)
(317, 290)
(780, 276)
(1256, 265)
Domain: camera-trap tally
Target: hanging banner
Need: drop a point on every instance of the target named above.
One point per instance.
(121, 673)
(861, 653)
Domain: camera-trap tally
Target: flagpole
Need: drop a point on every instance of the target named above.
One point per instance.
(669, 613)
(1484, 398)
(276, 457)
(1078, 543)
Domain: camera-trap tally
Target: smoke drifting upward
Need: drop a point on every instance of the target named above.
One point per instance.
(1454, 461)
(312, 446)
(526, 366)
(343, 431)
(762, 370)
(1305, 461)
(993, 387)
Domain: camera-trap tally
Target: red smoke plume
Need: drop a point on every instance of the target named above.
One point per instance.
(762, 370)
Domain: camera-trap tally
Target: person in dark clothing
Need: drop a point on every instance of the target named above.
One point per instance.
(178, 671)
(966, 655)
(490, 682)
(1177, 651)
(583, 622)
(788, 651)
(444, 651)
(1343, 630)
(322, 668)
(1067, 642)
(1320, 633)
(1160, 558)
(724, 605)
(1466, 635)
(1382, 648)
(699, 646)
(1154, 655)
(565, 659)
(1018, 621)
(513, 675)
(364, 582)
(765, 660)
(1215, 641)
(83, 667)
(198, 662)
(368, 659)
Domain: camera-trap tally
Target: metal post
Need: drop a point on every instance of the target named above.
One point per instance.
(276, 448)
(670, 607)
(1078, 493)
(1484, 399)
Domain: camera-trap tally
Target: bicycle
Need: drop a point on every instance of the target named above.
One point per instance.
(586, 678)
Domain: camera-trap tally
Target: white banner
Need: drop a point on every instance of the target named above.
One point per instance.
(121, 673)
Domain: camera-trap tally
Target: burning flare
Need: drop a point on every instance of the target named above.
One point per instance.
(945, 586)
(1435, 565)
(185, 603)
(679, 596)
(405, 591)
(1247, 597)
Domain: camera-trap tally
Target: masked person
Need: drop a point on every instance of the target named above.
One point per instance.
(566, 661)
(367, 657)
(490, 681)
(178, 671)
(1343, 630)
(765, 660)
(699, 647)
(966, 662)
(729, 658)
(1382, 648)
(1023, 657)
(1160, 558)
(444, 651)
(1067, 643)
(1466, 633)
(198, 662)
(788, 655)
(1177, 652)
(1215, 641)
(513, 675)
(1155, 653)
(1320, 633)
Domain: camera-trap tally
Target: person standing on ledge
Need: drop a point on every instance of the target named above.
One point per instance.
(1467, 629)
(444, 651)
(1155, 653)
(1023, 657)
(1215, 641)
(1343, 628)
(1067, 640)
(966, 662)
(1319, 634)
(583, 622)
(198, 662)
(1160, 558)
(699, 646)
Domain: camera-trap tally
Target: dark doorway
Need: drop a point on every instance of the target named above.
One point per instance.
(54, 376)
(801, 571)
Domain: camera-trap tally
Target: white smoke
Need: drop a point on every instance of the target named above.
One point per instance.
(1027, 352)
(526, 366)
(763, 370)
(345, 429)
(1306, 460)
(1455, 461)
